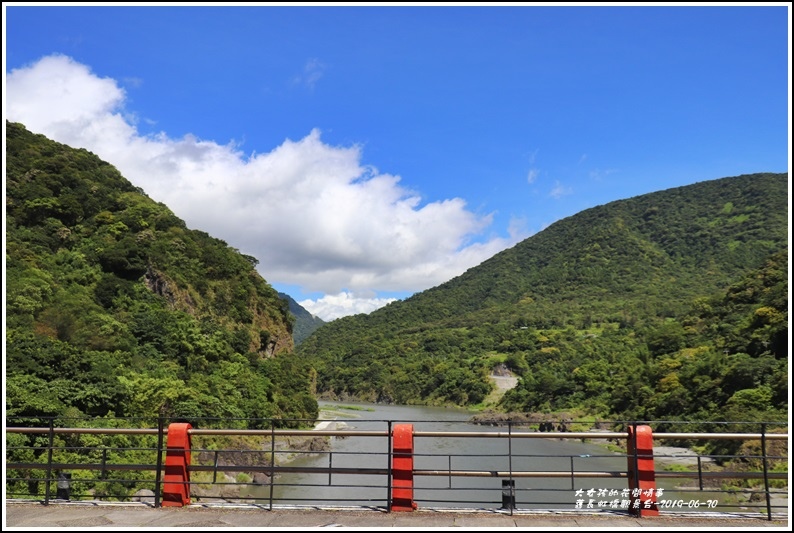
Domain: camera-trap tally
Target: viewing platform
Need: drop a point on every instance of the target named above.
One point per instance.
(86, 514)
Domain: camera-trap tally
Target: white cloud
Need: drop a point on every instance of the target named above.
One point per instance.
(532, 175)
(599, 174)
(560, 190)
(74, 94)
(313, 70)
(333, 306)
(309, 212)
(517, 229)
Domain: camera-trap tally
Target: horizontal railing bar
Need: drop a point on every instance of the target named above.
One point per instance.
(108, 431)
(241, 432)
(723, 436)
(506, 473)
(77, 466)
(385, 471)
(739, 475)
(206, 468)
(85, 448)
(597, 435)
(461, 434)
(290, 432)
(292, 469)
(524, 434)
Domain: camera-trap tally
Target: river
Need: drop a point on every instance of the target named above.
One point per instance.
(454, 453)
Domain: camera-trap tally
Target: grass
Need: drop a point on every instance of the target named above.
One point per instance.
(338, 411)
(677, 468)
(355, 408)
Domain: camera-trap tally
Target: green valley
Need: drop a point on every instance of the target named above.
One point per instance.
(669, 305)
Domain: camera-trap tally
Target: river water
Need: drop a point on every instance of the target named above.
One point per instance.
(489, 454)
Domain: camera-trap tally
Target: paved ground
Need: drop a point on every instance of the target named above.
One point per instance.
(81, 515)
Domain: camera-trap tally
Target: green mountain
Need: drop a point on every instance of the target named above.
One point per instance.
(668, 305)
(305, 322)
(115, 307)
(593, 313)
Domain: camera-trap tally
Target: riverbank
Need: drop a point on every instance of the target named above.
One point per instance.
(328, 417)
(239, 484)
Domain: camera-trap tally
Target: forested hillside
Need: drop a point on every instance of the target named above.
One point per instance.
(115, 307)
(634, 308)
(668, 305)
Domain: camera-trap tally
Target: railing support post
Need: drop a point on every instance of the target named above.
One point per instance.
(642, 474)
(509, 495)
(402, 496)
(158, 475)
(511, 485)
(389, 477)
(176, 485)
(50, 444)
(766, 473)
(272, 462)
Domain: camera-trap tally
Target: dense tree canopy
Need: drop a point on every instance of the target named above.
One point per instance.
(115, 307)
(670, 304)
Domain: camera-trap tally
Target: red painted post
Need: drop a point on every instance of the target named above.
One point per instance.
(176, 482)
(402, 494)
(642, 474)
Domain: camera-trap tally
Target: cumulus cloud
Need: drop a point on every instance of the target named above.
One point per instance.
(333, 306)
(311, 213)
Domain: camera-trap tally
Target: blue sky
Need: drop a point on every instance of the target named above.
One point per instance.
(364, 153)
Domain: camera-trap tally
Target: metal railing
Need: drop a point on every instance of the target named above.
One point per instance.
(492, 468)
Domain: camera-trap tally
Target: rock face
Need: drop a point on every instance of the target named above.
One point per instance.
(277, 340)
(228, 488)
(144, 496)
(501, 370)
(545, 422)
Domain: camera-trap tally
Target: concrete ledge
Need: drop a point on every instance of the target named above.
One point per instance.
(62, 514)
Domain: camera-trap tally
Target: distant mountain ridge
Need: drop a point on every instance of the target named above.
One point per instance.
(305, 322)
(619, 271)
